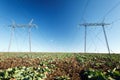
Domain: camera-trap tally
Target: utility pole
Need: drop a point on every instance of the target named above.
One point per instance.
(11, 37)
(85, 39)
(30, 25)
(106, 38)
(13, 26)
(29, 31)
(96, 24)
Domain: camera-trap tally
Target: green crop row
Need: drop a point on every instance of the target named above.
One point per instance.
(92, 74)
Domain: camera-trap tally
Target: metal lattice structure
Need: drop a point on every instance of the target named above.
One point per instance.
(14, 25)
(95, 24)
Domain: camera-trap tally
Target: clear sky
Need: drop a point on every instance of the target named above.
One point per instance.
(58, 22)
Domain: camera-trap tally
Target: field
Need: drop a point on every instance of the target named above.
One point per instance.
(59, 66)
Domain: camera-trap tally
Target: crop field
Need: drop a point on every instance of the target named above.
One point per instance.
(59, 66)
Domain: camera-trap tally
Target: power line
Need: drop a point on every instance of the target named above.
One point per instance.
(92, 40)
(115, 20)
(109, 29)
(98, 24)
(84, 10)
(96, 37)
(115, 6)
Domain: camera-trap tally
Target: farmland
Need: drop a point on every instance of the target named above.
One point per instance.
(59, 66)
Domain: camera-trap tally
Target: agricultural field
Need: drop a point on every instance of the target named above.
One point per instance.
(59, 66)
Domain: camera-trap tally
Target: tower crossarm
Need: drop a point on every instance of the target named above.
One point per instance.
(23, 25)
(94, 24)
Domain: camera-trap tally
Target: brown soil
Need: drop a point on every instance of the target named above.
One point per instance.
(14, 62)
(68, 66)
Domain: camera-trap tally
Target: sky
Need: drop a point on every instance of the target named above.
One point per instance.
(58, 27)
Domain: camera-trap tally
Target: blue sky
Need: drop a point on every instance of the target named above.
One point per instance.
(58, 22)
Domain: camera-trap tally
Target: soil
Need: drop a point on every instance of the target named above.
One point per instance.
(68, 66)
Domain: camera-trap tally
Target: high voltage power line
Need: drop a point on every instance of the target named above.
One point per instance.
(84, 10)
(115, 6)
(13, 26)
(98, 24)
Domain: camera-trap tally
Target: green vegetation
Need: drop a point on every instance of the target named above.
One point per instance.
(59, 66)
(62, 78)
(102, 75)
(24, 73)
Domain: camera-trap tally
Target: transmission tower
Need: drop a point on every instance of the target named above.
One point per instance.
(29, 26)
(104, 31)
